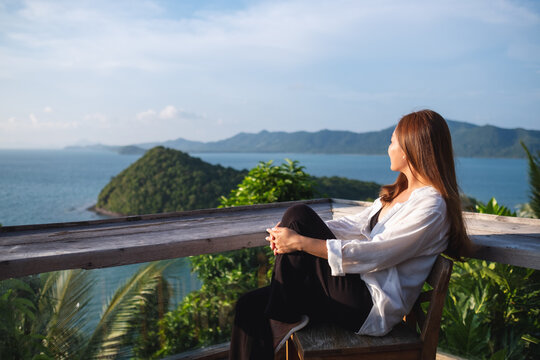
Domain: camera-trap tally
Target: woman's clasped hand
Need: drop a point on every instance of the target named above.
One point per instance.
(283, 240)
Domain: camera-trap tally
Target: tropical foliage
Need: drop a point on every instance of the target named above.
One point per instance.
(166, 180)
(345, 188)
(492, 310)
(205, 316)
(45, 316)
(534, 180)
(493, 207)
(18, 310)
(267, 183)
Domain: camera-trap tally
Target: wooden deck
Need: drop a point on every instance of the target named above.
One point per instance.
(33, 249)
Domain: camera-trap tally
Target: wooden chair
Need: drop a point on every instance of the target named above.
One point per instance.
(403, 342)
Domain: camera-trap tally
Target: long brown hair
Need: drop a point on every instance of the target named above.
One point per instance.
(425, 139)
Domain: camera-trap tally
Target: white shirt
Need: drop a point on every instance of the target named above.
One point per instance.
(395, 258)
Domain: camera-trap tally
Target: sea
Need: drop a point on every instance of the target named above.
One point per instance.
(49, 186)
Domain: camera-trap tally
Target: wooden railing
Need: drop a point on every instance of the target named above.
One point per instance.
(32, 249)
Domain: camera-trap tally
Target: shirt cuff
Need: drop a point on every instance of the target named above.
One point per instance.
(334, 257)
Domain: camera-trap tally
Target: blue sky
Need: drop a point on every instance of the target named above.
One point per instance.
(123, 72)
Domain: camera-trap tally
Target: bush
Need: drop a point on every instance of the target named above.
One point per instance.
(205, 316)
(492, 310)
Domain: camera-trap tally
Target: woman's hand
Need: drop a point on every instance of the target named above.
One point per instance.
(284, 240)
(271, 239)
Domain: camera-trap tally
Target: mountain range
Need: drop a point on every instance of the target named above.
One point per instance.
(469, 140)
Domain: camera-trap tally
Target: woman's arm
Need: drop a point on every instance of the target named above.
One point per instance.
(284, 240)
(348, 227)
(417, 230)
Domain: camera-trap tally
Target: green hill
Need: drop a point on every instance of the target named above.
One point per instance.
(469, 141)
(166, 180)
(345, 188)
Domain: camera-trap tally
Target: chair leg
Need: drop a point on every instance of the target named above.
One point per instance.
(292, 353)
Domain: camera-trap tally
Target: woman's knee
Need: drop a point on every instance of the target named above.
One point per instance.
(305, 221)
(298, 212)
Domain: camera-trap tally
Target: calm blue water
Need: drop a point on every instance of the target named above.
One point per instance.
(504, 179)
(42, 186)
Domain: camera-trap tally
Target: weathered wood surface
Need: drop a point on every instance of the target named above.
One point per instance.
(213, 352)
(328, 341)
(35, 249)
(503, 239)
(329, 337)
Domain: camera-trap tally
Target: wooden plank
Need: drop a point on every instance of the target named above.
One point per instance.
(213, 352)
(503, 239)
(35, 249)
(388, 355)
(324, 338)
(32, 249)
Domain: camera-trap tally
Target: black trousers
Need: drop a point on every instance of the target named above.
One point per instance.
(301, 284)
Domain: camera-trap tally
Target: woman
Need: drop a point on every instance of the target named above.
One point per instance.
(363, 272)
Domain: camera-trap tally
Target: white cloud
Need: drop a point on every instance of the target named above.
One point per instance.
(102, 37)
(96, 117)
(33, 123)
(98, 120)
(169, 112)
(8, 124)
(34, 120)
(232, 62)
(150, 113)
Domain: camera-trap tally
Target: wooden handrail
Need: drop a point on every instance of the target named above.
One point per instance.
(33, 249)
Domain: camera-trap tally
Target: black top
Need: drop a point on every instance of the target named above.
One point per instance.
(374, 219)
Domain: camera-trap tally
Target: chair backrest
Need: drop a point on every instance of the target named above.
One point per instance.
(429, 323)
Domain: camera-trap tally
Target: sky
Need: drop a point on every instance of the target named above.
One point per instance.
(127, 72)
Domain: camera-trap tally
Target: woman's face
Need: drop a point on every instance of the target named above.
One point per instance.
(398, 162)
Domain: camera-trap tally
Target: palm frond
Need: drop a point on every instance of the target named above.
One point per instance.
(534, 180)
(118, 315)
(63, 303)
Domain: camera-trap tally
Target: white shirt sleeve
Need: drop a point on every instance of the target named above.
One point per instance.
(415, 229)
(351, 226)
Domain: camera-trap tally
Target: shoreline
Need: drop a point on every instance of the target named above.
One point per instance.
(95, 209)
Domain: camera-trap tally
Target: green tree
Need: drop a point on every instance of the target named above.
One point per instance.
(205, 316)
(167, 180)
(344, 188)
(267, 183)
